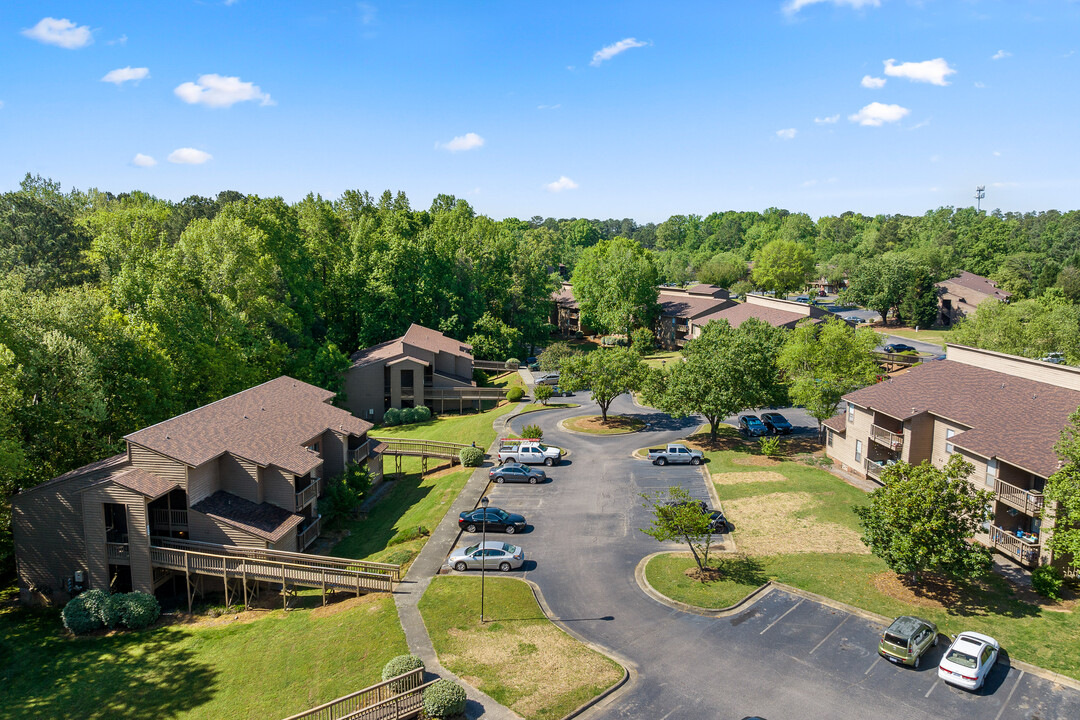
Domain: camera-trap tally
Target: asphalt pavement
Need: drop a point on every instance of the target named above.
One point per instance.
(784, 657)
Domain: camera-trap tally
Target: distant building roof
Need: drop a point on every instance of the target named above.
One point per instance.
(979, 284)
(565, 296)
(688, 306)
(264, 520)
(711, 290)
(417, 336)
(737, 313)
(1011, 417)
(268, 424)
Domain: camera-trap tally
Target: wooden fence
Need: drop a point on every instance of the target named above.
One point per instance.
(496, 365)
(393, 699)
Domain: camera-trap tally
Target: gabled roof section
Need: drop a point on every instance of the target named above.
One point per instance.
(263, 520)
(85, 475)
(684, 305)
(714, 291)
(267, 424)
(738, 313)
(978, 283)
(416, 336)
(837, 423)
(565, 296)
(143, 482)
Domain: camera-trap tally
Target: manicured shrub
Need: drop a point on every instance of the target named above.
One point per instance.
(513, 364)
(444, 699)
(392, 417)
(399, 666)
(112, 610)
(532, 431)
(423, 413)
(543, 393)
(1047, 580)
(140, 610)
(78, 616)
(408, 416)
(515, 394)
(471, 456)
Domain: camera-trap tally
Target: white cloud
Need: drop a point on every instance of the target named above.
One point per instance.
(874, 83)
(549, 107)
(122, 40)
(794, 6)
(144, 161)
(922, 124)
(189, 156)
(930, 71)
(124, 74)
(563, 183)
(877, 114)
(610, 51)
(980, 85)
(62, 33)
(787, 133)
(1001, 55)
(468, 141)
(809, 183)
(219, 91)
(828, 120)
(367, 13)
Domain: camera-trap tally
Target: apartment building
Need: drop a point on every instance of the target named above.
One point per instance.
(959, 296)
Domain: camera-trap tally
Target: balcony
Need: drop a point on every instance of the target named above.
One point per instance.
(165, 519)
(359, 453)
(888, 438)
(1028, 502)
(1022, 550)
(119, 553)
(307, 536)
(312, 491)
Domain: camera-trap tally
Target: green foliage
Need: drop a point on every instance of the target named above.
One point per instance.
(552, 356)
(543, 393)
(894, 283)
(741, 288)
(532, 431)
(607, 373)
(1030, 328)
(615, 286)
(514, 394)
(723, 270)
(139, 610)
(444, 699)
(824, 363)
(494, 339)
(1047, 581)
(471, 456)
(408, 534)
(770, 446)
(726, 370)
(81, 614)
(422, 413)
(112, 610)
(392, 417)
(923, 518)
(399, 666)
(677, 516)
(643, 340)
(783, 266)
(1062, 492)
(344, 494)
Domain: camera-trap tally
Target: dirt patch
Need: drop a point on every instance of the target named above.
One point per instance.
(943, 593)
(771, 525)
(596, 424)
(709, 574)
(542, 660)
(733, 478)
(754, 460)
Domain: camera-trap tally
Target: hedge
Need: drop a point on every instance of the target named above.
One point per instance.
(444, 699)
(95, 608)
(471, 456)
(399, 666)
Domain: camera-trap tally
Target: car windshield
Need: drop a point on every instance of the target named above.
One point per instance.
(962, 659)
(542, 446)
(471, 549)
(896, 639)
(752, 421)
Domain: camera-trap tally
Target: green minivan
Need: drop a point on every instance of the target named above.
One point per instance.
(907, 639)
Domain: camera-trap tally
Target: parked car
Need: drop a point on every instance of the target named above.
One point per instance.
(1054, 357)
(547, 379)
(968, 660)
(498, 520)
(751, 426)
(717, 522)
(803, 298)
(898, 348)
(516, 472)
(822, 293)
(532, 363)
(907, 639)
(490, 555)
(776, 423)
(675, 453)
(530, 452)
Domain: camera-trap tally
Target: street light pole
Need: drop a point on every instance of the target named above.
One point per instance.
(483, 555)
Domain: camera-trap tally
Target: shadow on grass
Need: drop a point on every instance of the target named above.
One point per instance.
(965, 599)
(741, 569)
(374, 532)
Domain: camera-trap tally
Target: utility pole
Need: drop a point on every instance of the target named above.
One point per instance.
(980, 193)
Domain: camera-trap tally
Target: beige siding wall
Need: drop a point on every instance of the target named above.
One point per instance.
(364, 391)
(334, 449)
(395, 382)
(239, 477)
(446, 363)
(918, 438)
(279, 487)
(97, 561)
(843, 449)
(287, 543)
(49, 543)
(158, 464)
(202, 481)
(938, 456)
(207, 529)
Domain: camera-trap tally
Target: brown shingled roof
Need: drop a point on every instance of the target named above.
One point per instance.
(417, 336)
(144, 483)
(710, 290)
(263, 520)
(688, 306)
(980, 284)
(1011, 417)
(267, 424)
(564, 296)
(738, 313)
(836, 423)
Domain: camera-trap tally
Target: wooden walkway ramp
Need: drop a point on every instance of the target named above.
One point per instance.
(234, 564)
(423, 449)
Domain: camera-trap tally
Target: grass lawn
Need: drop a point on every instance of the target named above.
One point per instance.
(518, 656)
(658, 359)
(533, 407)
(508, 380)
(667, 573)
(464, 429)
(277, 666)
(594, 425)
(939, 337)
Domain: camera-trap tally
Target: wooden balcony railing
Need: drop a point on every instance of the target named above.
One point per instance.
(359, 453)
(1028, 502)
(873, 469)
(392, 699)
(163, 518)
(308, 494)
(309, 534)
(1022, 551)
(888, 438)
(118, 552)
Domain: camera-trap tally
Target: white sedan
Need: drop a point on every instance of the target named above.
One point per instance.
(489, 555)
(968, 660)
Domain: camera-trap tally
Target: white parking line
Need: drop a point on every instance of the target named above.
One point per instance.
(782, 616)
(876, 661)
(1009, 696)
(830, 634)
(930, 690)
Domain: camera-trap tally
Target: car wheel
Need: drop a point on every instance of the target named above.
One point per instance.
(461, 567)
(532, 480)
(916, 663)
(935, 640)
(510, 530)
(549, 461)
(695, 461)
(499, 479)
(505, 566)
(661, 461)
(470, 528)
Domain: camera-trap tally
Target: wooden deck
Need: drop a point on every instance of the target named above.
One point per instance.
(393, 699)
(423, 449)
(491, 365)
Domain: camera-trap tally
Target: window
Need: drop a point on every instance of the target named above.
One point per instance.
(829, 434)
(991, 472)
(858, 451)
(949, 449)
(406, 382)
(851, 412)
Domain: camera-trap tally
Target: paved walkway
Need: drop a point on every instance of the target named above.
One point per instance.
(426, 566)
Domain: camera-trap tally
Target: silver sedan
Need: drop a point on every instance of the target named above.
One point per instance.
(491, 555)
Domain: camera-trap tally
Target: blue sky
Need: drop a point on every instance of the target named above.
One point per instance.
(586, 109)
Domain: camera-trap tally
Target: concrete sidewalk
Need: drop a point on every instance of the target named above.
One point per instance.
(427, 565)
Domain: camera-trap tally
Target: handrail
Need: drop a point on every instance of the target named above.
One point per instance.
(306, 537)
(319, 561)
(118, 551)
(165, 516)
(1025, 552)
(305, 496)
(887, 437)
(430, 448)
(348, 705)
(1029, 502)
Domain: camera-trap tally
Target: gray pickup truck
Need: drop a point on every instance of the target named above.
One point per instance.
(675, 453)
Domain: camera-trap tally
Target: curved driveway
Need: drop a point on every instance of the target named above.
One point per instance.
(783, 657)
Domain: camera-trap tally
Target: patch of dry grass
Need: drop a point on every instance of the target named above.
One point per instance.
(734, 478)
(772, 524)
(754, 461)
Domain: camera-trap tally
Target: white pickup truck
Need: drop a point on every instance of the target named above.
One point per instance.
(529, 452)
(675, 453)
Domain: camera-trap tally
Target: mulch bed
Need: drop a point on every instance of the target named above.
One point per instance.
(596, 424)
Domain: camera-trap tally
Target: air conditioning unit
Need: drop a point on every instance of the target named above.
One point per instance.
(80, 578)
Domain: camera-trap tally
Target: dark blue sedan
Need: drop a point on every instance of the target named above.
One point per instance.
(776, 423)
(498, 520)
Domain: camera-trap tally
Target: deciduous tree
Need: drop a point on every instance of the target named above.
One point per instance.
(607, 373)
(783, 266)
(677, 516)
(615, 286)
(1063, 491)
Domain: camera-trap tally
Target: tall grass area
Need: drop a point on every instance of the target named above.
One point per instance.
(277, 666)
